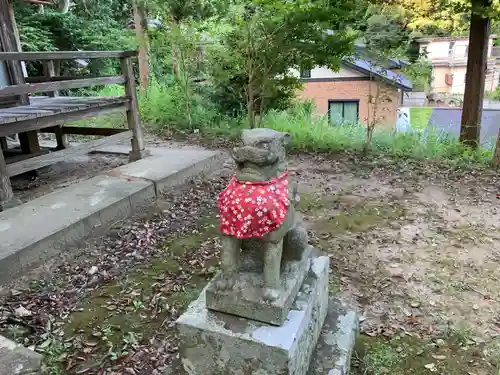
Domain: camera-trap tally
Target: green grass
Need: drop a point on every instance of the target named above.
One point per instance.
(403, 354)
(419, 117)
(314, 133)
(163, 109)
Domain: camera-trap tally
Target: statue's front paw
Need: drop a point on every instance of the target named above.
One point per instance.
(289, 267)
(225, 282)
(271, 294)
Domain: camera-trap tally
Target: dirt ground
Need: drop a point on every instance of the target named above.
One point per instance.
(414, 248)
(29, 186)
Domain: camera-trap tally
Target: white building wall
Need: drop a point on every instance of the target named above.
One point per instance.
(324, 72)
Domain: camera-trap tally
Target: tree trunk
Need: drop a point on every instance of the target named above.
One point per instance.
(250, 107)
(477, 64)
(496, 156)
(141, 26)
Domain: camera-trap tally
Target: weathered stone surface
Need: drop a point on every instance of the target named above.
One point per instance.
(336, 343)
(245, 298)
(18, 360)
(169, 168)
(258, 207)
(213, 343)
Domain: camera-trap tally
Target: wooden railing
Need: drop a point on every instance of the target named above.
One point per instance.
(27, 118)
(51, 84)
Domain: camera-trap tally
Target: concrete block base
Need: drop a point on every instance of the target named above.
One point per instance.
(18, 360)
(214, 343)
(245, 299)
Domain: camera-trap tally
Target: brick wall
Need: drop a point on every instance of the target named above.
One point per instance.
(322, 92)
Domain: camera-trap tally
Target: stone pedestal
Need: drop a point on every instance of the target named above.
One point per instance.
(336, 342)
(16, 359)
(245, 299)
(214, 343)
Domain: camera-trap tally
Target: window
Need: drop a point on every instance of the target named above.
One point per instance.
(448, 79)
(305, 73)
(343, 111)
(450, 49)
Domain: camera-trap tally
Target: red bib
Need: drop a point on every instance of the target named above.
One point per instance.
(253, 209)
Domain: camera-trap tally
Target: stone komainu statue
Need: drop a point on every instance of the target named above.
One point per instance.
(257, 212)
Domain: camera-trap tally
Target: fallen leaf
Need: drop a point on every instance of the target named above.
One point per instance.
(439, 357)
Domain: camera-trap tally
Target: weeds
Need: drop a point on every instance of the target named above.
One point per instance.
(162, 110)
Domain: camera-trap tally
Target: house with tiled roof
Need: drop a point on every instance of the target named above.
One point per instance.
(347, 94)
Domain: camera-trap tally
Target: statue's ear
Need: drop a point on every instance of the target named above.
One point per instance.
(286, 139)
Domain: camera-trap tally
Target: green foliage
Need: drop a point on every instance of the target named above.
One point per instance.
(386, 30)
(495, 95)
(420, 74)
(419, 117)
(177, 11)
(314, 133)
(266, 39)
(90, 25)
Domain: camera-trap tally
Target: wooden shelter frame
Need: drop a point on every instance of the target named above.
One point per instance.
(25, 112)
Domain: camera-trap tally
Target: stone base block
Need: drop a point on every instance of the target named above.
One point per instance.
(16, 359)
(214, 343)
(336, 342)
(245, 299)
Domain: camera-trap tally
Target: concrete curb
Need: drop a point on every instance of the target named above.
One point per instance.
(18, 360)
(40, 229)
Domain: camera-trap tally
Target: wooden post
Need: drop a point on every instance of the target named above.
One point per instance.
(29, 142)
(11, 43)
(477, 64)
(6, 195)
(133, 115)
(141, 26)
(3, 144)
(49, 71)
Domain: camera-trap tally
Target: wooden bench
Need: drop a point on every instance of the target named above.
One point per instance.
(51, 113)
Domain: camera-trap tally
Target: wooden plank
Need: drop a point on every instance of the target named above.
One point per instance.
(86, 130)
(59, 156)
(39, 79)
(29, 88)
(64, 104)
(54, 106)
(58, 119)
(17, 157)
(64, 55)
(133, 115)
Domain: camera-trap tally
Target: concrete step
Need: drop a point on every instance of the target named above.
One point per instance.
(40, 229)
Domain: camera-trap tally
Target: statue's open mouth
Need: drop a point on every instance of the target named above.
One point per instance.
(254, 163)
(254, 155)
